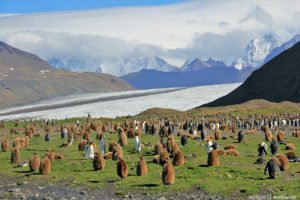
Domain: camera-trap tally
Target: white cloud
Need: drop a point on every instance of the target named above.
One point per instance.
(260, 15)
(194, 28)
(219, 46)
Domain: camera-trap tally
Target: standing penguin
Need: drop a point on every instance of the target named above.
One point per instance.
(168, 174)
(89, 150)
(102, 145)
(203, 134)
(98, 162)
(213, 159)
(47, 137)
(141, 168)
(45, 166)
(137, 144)
(272, 168)
(178, 159)
(123, 138)
(262, 149)
(34, 163)
(122, 168)
(241, 137)
(15, 155)
(5, 145)
(273, 147)
(184, 140)
(209, 146)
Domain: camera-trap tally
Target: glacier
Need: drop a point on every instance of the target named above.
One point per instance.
(183, 99)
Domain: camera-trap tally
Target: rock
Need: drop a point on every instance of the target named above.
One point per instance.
(83, 192)
(125, 196)
(12, 184)
(228, 175)
(22, 183)
(130, 196)
(162, 198)
(40, 187)
(243, 191)
(48, 198)
(15, 190)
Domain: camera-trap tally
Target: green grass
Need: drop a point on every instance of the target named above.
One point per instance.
(236, 175)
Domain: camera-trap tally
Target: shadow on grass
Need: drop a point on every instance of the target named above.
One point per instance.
(147, 185)
(258, 178)
(91, 170)
(93, 181)
(23, 171)
(203, 165)
(112, 180)
(132, 175)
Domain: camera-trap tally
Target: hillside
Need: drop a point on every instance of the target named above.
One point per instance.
(276, 81)
(26, 78)
(148, 79)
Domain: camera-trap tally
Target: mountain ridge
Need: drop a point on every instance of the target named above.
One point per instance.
(150, 79)
(26, 78)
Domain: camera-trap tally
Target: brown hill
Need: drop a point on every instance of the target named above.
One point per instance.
(276, 81)
(251, 107)
(159, 111)
(26, 78)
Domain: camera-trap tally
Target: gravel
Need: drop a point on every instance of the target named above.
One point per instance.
(14, 188)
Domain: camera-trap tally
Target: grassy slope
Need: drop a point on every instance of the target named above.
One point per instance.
(216, 180)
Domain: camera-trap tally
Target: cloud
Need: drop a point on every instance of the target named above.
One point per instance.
(64, 45)
(219, 46)
(194, 28)
(223, 24)
(259, 15)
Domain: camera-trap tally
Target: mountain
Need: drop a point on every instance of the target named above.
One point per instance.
(148, 79)
(215, 63)
(26, 78)
(115, 67)
(194, 65)
(197, 64)
(276, 81)
(256, 51)
(76, 65)
(282, 48)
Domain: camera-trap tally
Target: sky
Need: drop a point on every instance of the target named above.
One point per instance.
(112, 30)
(31, 6)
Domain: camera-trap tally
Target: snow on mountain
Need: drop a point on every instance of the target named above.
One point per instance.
(282, 48)
(76, 65)
(115, 67)
(126, 66)
(197, 64)
(256, 51)
(216, 63)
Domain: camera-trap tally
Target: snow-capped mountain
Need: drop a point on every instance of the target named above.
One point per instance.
(126, 66)
(76, 65)
(115, 67)
(282, 48)
(215, 63)
(256, 51)
(197, 64)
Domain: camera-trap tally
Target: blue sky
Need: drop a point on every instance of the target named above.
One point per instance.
(30, 6)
